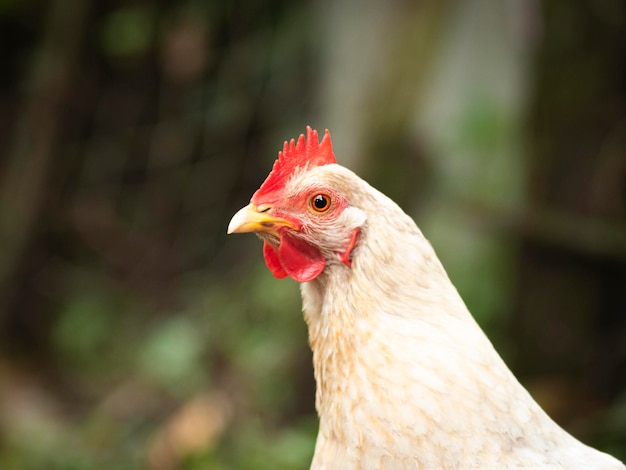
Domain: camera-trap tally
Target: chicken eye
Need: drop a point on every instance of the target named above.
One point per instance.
(320, 203)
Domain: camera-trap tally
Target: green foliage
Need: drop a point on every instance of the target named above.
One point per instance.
(612, 429)
(83, 328)
(128, 31)
(7, 7)
(171, 355)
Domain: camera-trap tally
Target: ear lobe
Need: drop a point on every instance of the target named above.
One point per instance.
(345, 256)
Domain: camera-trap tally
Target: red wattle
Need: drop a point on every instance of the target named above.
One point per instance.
(298, 259)
(272, 262)
(295, 258)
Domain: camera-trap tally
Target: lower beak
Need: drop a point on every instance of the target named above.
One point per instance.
(250, 219)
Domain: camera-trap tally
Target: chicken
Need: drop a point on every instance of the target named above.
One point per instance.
(406, 378)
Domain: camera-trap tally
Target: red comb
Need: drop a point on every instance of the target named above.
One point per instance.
(307, 153)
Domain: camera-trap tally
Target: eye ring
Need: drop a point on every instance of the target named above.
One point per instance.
(320, 203)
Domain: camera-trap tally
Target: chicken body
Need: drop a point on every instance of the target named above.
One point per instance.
(405, 377)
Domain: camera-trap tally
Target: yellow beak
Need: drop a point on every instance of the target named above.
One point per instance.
(257, 219)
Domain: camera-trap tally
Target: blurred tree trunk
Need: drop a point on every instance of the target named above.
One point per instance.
(374, 66)
(35, 137)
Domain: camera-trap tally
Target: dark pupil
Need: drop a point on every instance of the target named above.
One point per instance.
(320, 202)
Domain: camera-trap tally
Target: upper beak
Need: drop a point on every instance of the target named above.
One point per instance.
(251, 219)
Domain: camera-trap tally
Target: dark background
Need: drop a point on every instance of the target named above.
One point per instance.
(134, 334)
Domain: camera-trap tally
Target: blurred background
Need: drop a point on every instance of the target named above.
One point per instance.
(134, 334)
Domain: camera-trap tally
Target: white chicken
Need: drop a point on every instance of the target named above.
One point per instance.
(406, 379)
